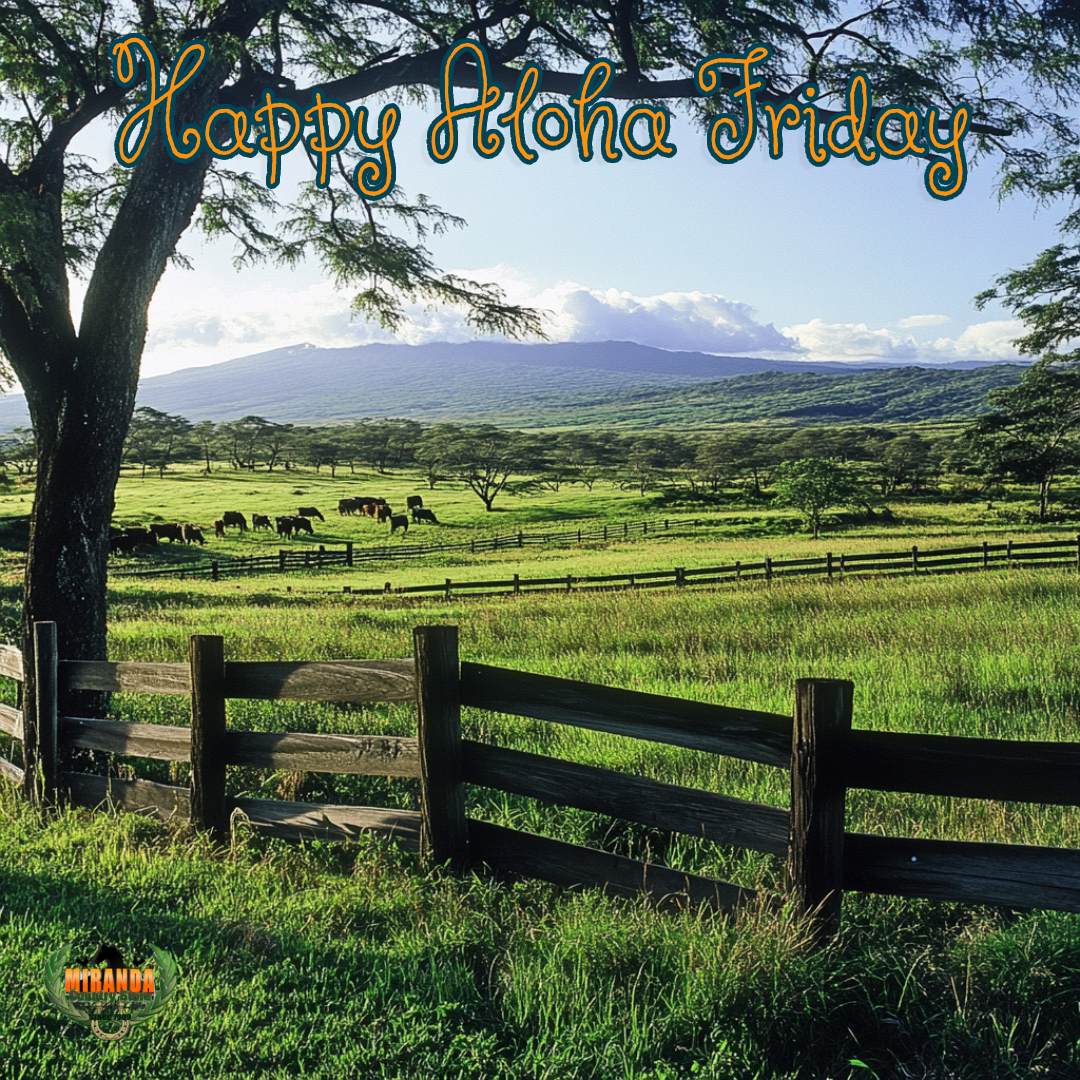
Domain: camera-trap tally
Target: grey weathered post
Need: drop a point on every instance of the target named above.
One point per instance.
(41, 758)
(208, 736)
(816, 839)
(444, 834)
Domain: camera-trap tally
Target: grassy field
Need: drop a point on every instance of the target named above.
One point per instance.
(331, 960)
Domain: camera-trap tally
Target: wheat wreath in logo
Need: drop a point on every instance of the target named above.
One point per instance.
(116, 994)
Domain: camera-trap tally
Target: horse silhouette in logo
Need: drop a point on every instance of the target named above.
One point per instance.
(110, 955)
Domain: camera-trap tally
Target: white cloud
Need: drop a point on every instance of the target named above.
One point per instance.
(922, 320)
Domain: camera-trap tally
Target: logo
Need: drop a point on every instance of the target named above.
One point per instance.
(114, 993)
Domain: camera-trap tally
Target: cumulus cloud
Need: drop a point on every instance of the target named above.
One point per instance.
(856, 341)
(922, 320)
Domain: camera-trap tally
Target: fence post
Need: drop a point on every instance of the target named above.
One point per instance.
(738, 568)
(768, 569)
(816, 839)
(1078, 552)
(828, 563)
(444, 832)
(914, 559)
(986, 553)
(644, 528)
(40, 722)
(208, 736)
(214, 570)
(680, 576)
(281, 560)
(319, 556)
(626, 529)
(348, 553)
(517, 583)
(447, 588)
(569, 582)
(605, 532)
(1008, 553)
(521, 538)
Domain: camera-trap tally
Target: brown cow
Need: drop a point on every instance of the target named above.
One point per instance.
(219, 528)
(261, 521)
(384, 514)
(234, 517)
(370, 509)
(414, 502)
(399, 521)
(193, 535)
(309, 512)
(168, 531)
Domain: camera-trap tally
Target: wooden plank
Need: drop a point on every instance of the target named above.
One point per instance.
(163, 800)
(331, 680)
(11, 722)
(125, 677)
(1009, 874)
(438, 707)
(358, 755)
(514, 852)
(739, 733)
(1031, 545)
(11, 772)
(157, 741)
(208, 812)
(816, 849)
(866, 556)
(11, 662)
(325, 821)
(45, 701)
(1039, 772)
(635, 798)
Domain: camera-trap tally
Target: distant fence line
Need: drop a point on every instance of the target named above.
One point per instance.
(983, 556)
(817, 745)
(323, 557)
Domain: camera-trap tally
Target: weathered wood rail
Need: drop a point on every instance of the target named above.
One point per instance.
(817, 746)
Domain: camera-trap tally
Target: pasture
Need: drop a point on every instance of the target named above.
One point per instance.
(329, 960)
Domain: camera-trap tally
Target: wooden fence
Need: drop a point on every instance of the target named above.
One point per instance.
(982, 556)
(818, 746)
(322, 557)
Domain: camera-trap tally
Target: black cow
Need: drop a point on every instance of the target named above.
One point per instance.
(309, 512)
(234, 517)
(284, 526)
(301, 524)
(399, 521)
(193, 535)
(414, 502)
(261, 521)
(420, 514)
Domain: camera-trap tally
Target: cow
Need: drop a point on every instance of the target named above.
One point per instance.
(414, 502)
(309, 512)
(370, 509)
(234, 517)
(301, 524)
(219, 528)
(122, 543)
(420, 514)
(193, 535)
(284, 526)
(261, 521)
(384, 514)
(348, 506)
(168, 531)
(399, 521)
(361, 499)
(140, 536)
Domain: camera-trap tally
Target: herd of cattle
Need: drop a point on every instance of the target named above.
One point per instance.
(288, 525)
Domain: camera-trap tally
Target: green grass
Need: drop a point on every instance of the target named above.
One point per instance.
(354, 961)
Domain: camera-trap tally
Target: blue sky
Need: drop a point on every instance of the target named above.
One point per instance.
(763, 257)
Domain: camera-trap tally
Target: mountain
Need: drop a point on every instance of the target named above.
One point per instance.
(564, 384)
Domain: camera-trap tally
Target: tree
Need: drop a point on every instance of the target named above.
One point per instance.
(60, 215)
(154, 438)
(812, 485)
(205, 436)
(1032, 432)
(484, 457)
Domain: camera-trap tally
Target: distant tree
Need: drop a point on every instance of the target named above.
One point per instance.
(1031, 433)
(484, 458)
(652, 459)
(205, 436)
(324, 446)
(433, 451)
(812, 485)
(21, 451)
(155, 438)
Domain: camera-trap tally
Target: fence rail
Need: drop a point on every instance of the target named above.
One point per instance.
(323, 557)
(910, 561)
(817, 746)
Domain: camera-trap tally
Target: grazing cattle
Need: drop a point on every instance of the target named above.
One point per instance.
(261, 521)
(361, 499)
(420, 514)
(168, 531)
(219, 528)
(301, 524)
(414, 502)
(384, 514)
(284, 526)
(348, 506)
(370, 509)
(234, 517)
(140, 536)
(193, 535)
(399, 521)
(309, 512)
